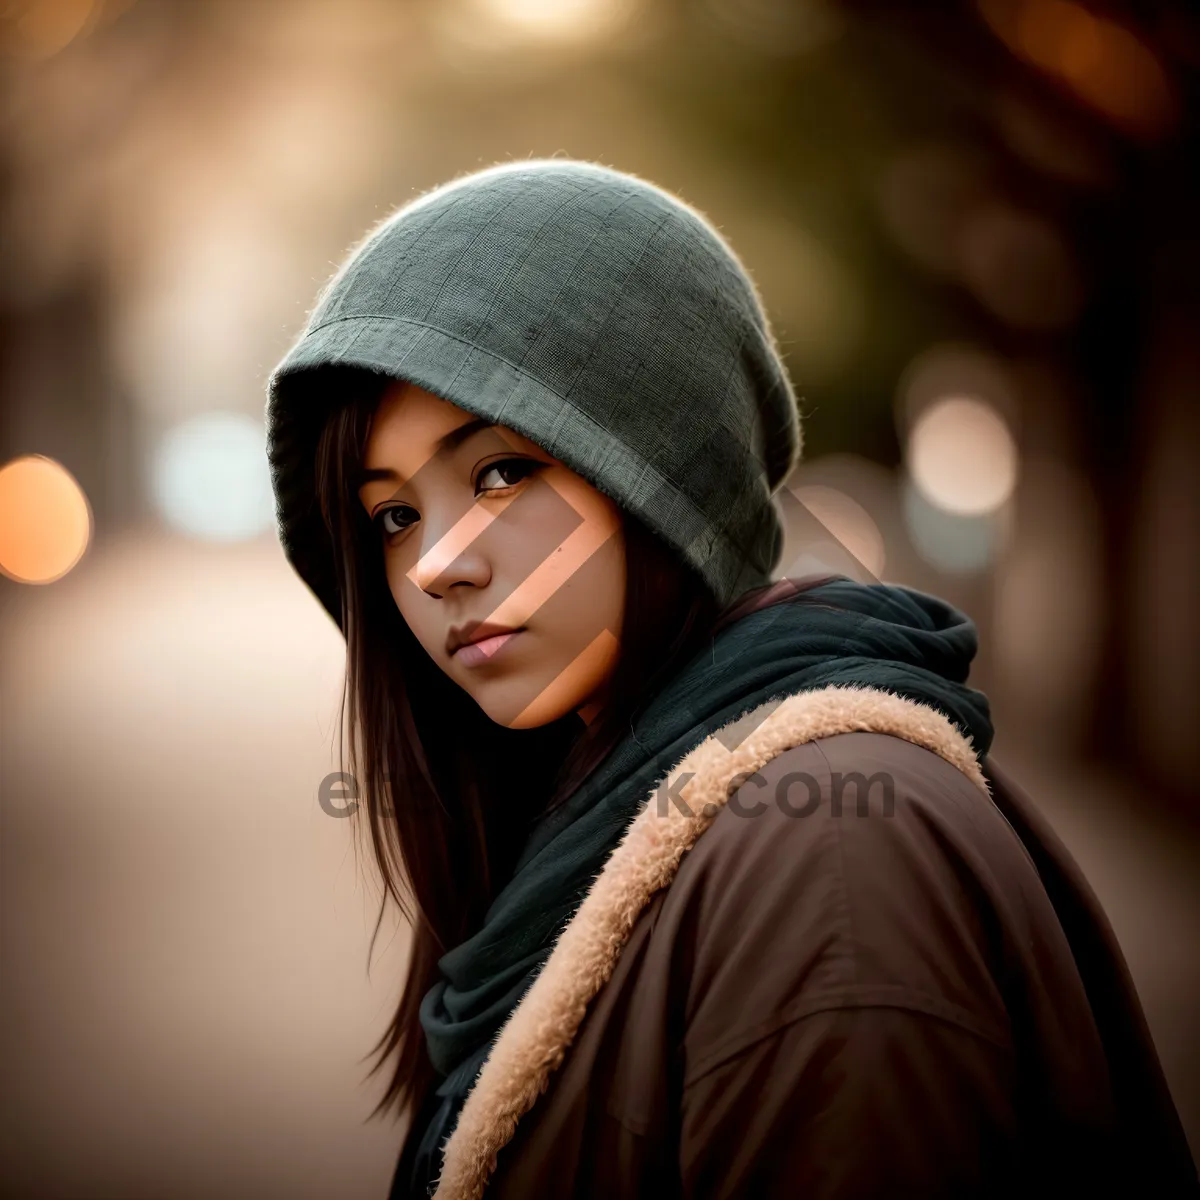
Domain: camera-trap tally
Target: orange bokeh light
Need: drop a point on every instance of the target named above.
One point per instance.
(1105, 64)
(45, 520)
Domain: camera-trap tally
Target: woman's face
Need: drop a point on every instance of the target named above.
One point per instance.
(483, 532)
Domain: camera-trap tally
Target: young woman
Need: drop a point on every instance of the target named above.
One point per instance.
(714, 888)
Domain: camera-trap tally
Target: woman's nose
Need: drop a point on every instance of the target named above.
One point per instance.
(454, 557)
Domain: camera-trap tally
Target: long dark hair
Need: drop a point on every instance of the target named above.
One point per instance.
(449, 795)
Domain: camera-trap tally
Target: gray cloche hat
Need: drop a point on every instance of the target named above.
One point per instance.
(593, 312)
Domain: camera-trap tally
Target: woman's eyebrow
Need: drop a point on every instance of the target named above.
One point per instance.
(448, 441)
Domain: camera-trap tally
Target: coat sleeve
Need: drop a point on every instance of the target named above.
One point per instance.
(852, 1103)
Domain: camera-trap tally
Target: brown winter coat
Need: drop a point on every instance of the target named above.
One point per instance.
(804, 989)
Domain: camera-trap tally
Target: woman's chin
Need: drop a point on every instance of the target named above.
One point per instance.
(514, 706)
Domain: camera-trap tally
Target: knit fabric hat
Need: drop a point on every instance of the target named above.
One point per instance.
(591, 311)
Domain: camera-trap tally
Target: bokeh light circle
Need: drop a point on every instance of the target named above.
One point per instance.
(210, 477)
(1019, 267)
(955, 369)
(962, 457)
(45, 520)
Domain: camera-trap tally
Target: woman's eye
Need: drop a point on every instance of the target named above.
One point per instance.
(394, 520)
(508, 471)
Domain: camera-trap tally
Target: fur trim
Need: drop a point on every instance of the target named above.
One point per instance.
(537, 1034)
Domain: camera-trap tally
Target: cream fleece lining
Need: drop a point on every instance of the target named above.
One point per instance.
(539, 1031)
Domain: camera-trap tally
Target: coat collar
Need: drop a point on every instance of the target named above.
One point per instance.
(539, 1031)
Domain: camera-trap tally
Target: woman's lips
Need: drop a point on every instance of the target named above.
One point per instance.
(474, 653)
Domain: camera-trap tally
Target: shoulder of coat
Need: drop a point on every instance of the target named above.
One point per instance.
(863, 759)
(801, 789)
(835, 730)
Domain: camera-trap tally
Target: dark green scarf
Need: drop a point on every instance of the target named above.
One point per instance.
(841, 632)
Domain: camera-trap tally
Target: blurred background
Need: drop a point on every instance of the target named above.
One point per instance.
(974, 228)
